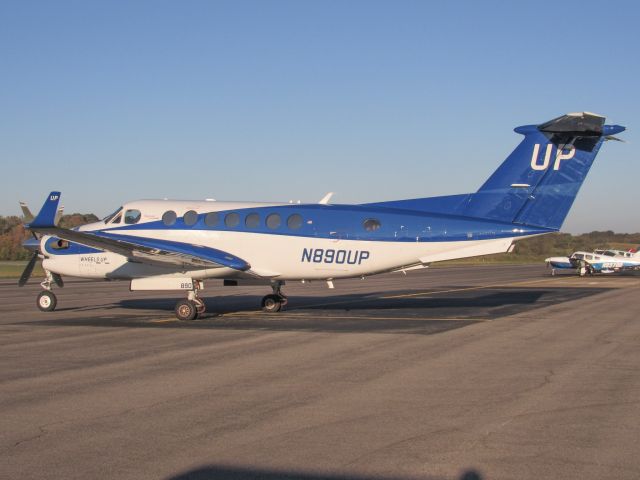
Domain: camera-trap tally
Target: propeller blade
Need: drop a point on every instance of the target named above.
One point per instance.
(24, 278)
(57, 279)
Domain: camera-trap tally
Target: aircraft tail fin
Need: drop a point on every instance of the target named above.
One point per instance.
(538, 182)
(47, 215)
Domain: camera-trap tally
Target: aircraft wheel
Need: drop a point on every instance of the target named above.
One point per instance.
(271, 303)
(186, 310)
(47, 301)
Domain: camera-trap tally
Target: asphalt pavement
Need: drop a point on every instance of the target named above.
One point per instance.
(492, 372)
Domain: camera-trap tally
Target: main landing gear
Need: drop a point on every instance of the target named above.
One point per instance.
(274, 302)
(192, 307)
(47, 300)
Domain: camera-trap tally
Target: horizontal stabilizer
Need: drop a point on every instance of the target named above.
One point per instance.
(583, 123)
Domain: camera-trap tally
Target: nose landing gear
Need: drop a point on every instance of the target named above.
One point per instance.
(276, 301)
(47, 300)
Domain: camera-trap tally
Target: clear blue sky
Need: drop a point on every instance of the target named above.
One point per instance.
(277, 100)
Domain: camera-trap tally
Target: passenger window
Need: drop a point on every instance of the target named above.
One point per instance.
(190, 218)
(132, 216)
(252, 220)
(371, 224)
(589, 257)
(169, 218)
(232, 220)
(211, 219)
(294, 221)
(273, 221)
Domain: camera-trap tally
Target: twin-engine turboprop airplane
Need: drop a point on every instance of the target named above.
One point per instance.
(175, 245)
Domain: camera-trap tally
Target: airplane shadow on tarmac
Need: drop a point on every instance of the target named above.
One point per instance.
(350, 302)
(353, 313)
(210, 472)
(475, 304)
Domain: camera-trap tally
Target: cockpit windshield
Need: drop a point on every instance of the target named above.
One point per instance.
(578, 256)
(108, 218)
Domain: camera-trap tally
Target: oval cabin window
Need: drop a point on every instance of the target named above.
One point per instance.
(190, 218)
(169, 218)
(371, 224)
(232, 220)
(294, 221)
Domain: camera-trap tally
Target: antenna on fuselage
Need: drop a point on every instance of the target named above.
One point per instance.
(326, 198)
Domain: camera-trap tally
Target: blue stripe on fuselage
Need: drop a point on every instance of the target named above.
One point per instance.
(346, 222)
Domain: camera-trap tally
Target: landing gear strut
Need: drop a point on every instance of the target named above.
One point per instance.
(193, 306)
(47, 300)
(274, 302)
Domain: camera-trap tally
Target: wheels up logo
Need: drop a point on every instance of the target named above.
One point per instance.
(563, 152)
(53, 198)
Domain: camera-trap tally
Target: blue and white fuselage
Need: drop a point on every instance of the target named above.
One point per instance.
(174, 245)
(298, 242)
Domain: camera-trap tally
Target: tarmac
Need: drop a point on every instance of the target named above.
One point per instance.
(491, 372)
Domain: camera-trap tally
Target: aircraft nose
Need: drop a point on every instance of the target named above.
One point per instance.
(31, 244)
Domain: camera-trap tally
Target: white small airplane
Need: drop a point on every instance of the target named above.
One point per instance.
(175, 245)
(598, 261)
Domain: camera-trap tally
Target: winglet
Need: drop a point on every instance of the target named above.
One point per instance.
(47, 215)
(59, 214)
(28, 216)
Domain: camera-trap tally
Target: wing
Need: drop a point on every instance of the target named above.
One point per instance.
(144, 250)
(151, 250)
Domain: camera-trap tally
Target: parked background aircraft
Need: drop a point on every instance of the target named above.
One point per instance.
(598, 261)
(175, 245)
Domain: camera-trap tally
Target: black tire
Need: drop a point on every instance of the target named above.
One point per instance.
(186, 310)
(47, 301)
(271, 303)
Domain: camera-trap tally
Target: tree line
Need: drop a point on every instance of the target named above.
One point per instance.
(13, 233)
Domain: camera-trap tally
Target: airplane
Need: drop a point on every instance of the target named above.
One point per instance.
(170, 245)
(598, 261)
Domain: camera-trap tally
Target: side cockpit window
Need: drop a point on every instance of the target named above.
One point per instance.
(132, 216)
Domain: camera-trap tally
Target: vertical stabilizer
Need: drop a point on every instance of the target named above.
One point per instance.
(537, 184)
